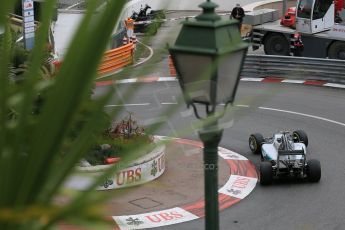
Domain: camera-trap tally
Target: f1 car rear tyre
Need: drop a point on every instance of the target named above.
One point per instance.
(276, 44)
(300, 136)
(266, 174)
(255, 142)
(337, 50)
(313, 170)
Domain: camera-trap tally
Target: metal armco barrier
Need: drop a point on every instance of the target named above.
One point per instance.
(116, 59)
(295, 68)
(288, 67)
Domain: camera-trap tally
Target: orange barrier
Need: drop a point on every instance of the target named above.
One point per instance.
(172, 69)
(116, 59)
(113, 59)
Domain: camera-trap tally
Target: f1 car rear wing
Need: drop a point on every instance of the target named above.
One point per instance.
(288, 162)
(290, 152)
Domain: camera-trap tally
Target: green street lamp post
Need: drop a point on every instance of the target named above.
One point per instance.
(208, 55)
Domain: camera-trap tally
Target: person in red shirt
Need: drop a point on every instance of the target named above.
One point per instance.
(298, 45)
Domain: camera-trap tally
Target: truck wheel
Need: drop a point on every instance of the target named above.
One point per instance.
(313, 170)
(337, 50)
(266, 174)
(255, 142)
(276, 44)
(300, 136)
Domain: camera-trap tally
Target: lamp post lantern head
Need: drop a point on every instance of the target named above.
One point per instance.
(208, 55)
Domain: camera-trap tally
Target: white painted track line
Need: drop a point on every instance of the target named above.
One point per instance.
(304, 114)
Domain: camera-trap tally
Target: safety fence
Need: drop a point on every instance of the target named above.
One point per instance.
(289, 67)
(116, 59)
(295, 68)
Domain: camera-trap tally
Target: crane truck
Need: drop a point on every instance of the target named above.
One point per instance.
(319, 23)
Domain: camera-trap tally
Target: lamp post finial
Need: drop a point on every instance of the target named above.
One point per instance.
(208, 13)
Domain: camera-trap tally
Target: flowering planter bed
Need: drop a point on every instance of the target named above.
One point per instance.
(142, 170)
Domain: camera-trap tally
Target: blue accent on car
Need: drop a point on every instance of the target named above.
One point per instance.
(265, 155)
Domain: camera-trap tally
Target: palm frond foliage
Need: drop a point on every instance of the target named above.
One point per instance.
(31, 170)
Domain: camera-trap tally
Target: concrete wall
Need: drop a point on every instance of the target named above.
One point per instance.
(65, 28)
(277, 5)
(224, 5)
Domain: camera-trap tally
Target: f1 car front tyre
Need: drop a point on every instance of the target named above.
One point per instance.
(313, 170)
(266, 174)
(255, 142)
(300, 136)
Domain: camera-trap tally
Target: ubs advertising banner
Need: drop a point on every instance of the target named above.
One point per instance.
(28, 24)
(154, 219)
(138, 174)
(134, 175)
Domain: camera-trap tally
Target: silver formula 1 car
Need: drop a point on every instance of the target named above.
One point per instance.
(284, 154)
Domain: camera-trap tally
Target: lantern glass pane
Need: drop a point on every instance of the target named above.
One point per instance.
(229, 70)
(195, 73)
